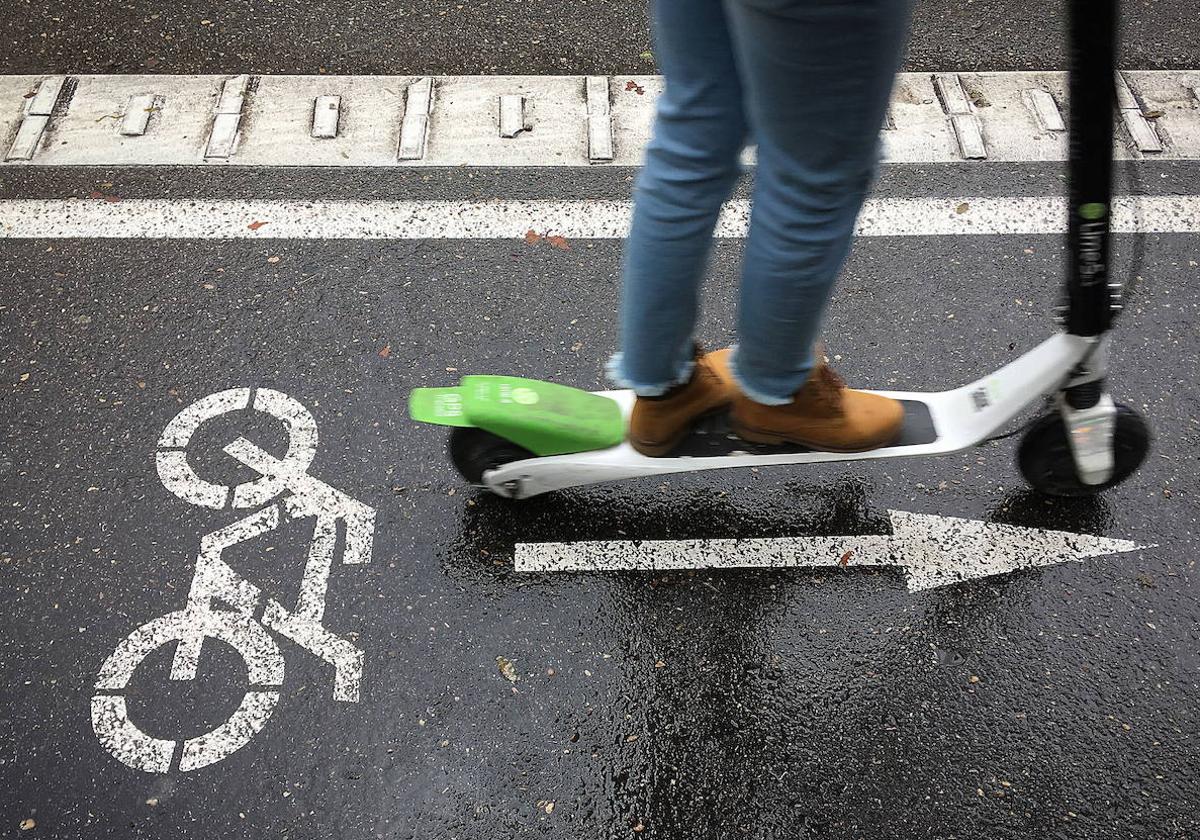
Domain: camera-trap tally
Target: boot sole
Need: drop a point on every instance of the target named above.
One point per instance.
(777, 439)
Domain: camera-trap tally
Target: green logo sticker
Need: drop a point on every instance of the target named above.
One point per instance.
(1093, 211)
(524, 396)
(448, 405)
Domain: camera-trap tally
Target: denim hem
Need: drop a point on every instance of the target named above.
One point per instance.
(613, 370)
(752, 393)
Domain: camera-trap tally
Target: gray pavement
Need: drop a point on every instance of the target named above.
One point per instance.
(722, 704)
(502, 37)
(483, 183)
(801, 703)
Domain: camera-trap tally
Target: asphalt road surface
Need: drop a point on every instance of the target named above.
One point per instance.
(462, 698)
(497, 36)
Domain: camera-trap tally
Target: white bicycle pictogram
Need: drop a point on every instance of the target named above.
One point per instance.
(222, 604)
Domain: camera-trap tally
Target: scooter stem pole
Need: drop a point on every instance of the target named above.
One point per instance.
(1092, 25)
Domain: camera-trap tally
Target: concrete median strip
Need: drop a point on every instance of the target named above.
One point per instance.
(237, 219)
(525, 121)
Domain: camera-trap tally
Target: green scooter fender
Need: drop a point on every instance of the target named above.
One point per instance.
(545, 418)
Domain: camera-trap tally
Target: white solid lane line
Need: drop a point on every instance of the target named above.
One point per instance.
(238, 219)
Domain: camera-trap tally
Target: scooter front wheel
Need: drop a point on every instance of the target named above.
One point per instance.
(475, 451)
(1045, 460)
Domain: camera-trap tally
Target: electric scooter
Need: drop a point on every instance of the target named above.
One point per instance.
(521, 437)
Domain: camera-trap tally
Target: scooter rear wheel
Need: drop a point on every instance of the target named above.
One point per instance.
(1044, 457)
(475, 451)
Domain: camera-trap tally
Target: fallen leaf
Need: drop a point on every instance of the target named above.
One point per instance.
(209, 286)
(24, 377)
(532, 237)
(639, 828)
(1152, 115)
(507, 669)
(559, 242)
(27, 824)
(577, 346)
(646, 55)
(635, 87)
(141, 385)
(973, 679)
(845, 561)
(962, 208)
(386, 351)
(274, 258)
(255, 225)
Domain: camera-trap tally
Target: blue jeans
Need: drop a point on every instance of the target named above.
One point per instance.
(808, 81)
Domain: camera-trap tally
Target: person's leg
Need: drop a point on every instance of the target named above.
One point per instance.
(691, 164)
(817, 76)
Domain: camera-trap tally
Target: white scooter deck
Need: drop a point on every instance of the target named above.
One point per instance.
(935, 423)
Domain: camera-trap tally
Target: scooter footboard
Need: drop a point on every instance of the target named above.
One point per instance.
(935, 424)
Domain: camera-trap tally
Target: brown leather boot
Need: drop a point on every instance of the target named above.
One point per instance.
(659, 424)
(824, 414)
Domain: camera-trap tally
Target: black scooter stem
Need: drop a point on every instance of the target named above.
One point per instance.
(1092, 26)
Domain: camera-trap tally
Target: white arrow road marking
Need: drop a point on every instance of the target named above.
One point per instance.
(230, 219)
(933, 551)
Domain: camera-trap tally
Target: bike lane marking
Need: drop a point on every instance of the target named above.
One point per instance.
(221, 604)
(178, 476)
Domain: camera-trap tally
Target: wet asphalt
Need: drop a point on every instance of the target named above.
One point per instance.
(1055, 703)
(505, 37)
(832, 703)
